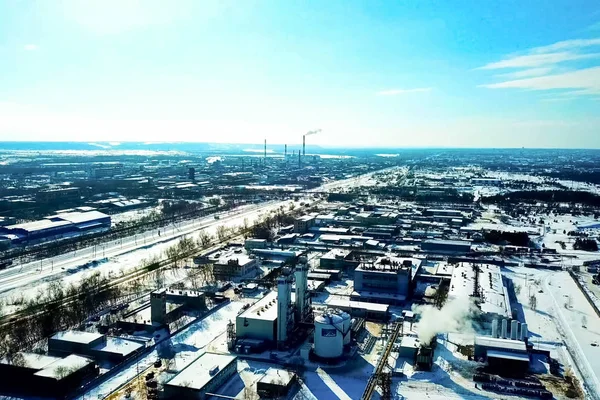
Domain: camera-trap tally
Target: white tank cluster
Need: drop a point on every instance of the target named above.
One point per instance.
(517, 330)
(332, 332)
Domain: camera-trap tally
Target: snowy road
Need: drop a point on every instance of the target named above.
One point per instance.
(580, 324)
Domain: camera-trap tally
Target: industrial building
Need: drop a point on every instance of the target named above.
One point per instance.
(44, 375)
(304, 223)
(205, 375)
(56, 226)
(259, 321)
(94, 345)
(484, 281)
(276, 383)
(234, 265)
(272, 318)
(386, 280)
(502, 354)
(360, 309)
(340, 259)
(446, 246)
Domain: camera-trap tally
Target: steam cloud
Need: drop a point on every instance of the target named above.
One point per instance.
(456, 316)
(312, 132)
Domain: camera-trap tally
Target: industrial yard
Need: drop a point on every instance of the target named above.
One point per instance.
(356, 289)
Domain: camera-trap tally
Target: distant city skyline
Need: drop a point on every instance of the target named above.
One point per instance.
(377, 74)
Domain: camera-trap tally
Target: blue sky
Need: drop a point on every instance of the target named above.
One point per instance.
(374, 73)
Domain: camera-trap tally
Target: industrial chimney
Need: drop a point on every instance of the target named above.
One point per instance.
(303, 145)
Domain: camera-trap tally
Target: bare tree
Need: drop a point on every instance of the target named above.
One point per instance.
(533, 302)
(221, 232)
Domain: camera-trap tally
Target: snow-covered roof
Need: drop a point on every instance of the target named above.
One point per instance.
(494, 296)
(507, 355)
(275, 376)
(77, 336)
(34, 360)
(265, 308)
(116, 345)
(347, 303)
(198, 373)
(65, 367)
(498, 343)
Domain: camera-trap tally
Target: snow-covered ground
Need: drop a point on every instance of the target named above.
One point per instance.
(555, 327)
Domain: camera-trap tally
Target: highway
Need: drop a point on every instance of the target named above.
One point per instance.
(70, 264)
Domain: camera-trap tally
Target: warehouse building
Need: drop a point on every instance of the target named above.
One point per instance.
(340, 259)
(387, 280)
(276, 383)
(56, 226)
(44, 375)
(259, 321)
(304, 223)
(446, 246)
(95, 345)
(205, 375)
(235, 265)
(502, 354)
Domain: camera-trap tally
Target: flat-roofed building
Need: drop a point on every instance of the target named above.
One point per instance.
(74, 342)
(234, 265)
(304, 223)
(387, 275)
(259, 321)
(340, 259)
(204, 375)
(276, 383)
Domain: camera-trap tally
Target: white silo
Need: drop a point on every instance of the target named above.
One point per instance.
(504, 329)
(346, 323)
(514, 329)
(284, 302)
(302, 294)
(524, 332)
(329, 339)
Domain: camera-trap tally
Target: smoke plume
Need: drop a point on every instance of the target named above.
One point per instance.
(455, 316)
(312, 132)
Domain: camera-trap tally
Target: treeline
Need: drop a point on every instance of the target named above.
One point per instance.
(546, 196)
(59, 307)
(584, 175)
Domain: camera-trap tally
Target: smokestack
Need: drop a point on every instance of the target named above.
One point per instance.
(514, 329)
(504, 329)
(285, 152)
(495, 328)
(524, 332)
(265, 149)
(299, 159)
(303, 145)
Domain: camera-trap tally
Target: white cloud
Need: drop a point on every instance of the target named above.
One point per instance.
(31, 47)
(526, 73)
(586, 80)
(394, 92)
(568, 45)
(538, 60)
(553, 67)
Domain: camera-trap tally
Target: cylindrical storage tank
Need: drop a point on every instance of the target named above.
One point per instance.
(495, 328)
(329, 340)
(524, 332)
(504, 329)
(346, 323)
(514, 329)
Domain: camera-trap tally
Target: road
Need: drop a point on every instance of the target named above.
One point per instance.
(149, 241)
(26, 273)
